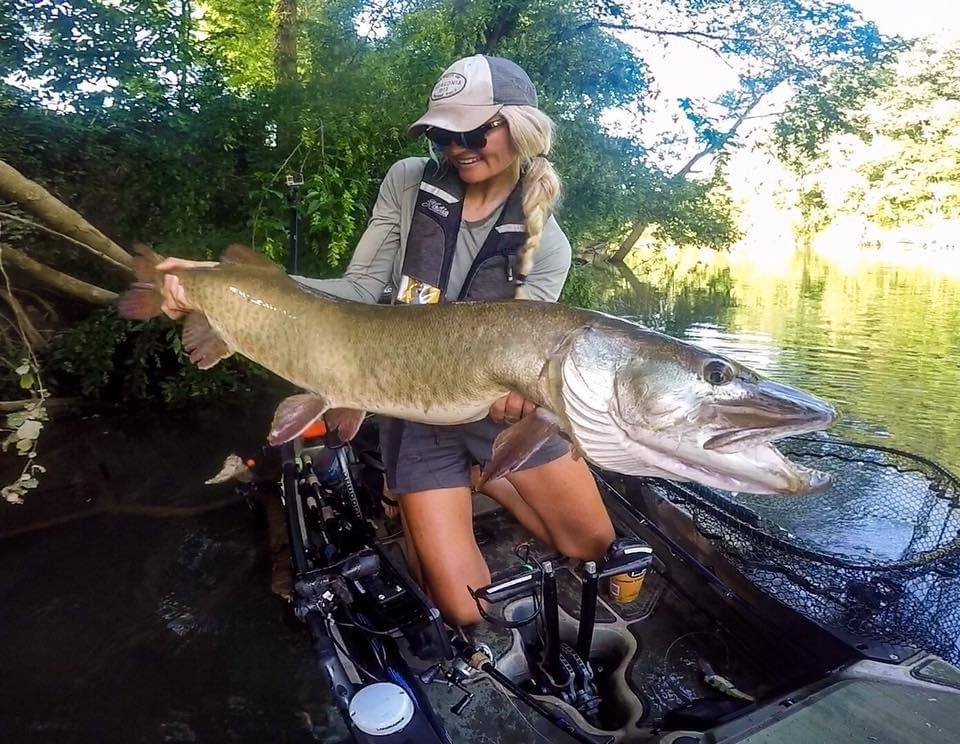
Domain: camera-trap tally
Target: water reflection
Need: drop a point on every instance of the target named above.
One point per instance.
(880, 341)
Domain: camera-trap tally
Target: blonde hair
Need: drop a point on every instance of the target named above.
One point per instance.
(531, 132)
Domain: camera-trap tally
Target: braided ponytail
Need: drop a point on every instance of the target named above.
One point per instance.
(531, 131)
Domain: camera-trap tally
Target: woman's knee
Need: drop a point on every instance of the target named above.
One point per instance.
(585, 546)
(458, 609)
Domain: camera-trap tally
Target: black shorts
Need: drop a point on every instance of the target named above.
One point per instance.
(421, 457)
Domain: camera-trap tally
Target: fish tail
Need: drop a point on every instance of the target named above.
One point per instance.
(143, 299)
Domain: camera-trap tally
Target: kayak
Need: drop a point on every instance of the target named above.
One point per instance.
(680, 634)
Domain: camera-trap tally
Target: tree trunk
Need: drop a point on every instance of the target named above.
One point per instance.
(501, 25)
(458, 15)
(75, 288)
(186, 21)
(46, 207)
(287, 77)
(628, 242)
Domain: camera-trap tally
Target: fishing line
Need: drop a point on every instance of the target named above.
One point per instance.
(678, 639)
(348, 656)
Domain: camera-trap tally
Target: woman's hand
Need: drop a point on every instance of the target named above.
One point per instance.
(391, 508)
(511, 408)
(175, 303)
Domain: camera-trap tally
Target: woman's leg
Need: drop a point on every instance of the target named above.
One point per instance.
(410, 553)
(564, 495)
(438, 526)
(503, 492)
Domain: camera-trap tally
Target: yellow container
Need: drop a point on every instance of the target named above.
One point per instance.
(625, 587)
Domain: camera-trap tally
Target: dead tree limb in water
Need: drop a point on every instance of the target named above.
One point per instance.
(66, 284)
(43, 205)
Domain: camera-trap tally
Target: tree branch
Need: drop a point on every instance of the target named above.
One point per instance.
(727, 136)
(689, 34)
(26, 326)
(46, 207)
(67, 284)
(38, 226)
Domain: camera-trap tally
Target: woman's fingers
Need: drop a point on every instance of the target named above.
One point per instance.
(172, 264)
(511, 408)
(175, 303)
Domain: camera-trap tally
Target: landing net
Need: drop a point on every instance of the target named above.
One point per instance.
(877, 555)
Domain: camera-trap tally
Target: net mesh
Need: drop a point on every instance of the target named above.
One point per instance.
(876, 555)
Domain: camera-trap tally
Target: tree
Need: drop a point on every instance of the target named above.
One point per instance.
(773, 45)
(889, 162)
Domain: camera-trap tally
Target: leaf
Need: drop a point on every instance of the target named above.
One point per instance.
(24, 445)
(23, 368)
(29, 431)
(26, 381)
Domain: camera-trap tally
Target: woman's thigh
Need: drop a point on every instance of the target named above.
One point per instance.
(565, 496)
(439, 526)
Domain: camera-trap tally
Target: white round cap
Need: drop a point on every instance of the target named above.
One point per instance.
(381, 709)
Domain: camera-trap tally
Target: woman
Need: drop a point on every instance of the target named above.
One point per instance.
(471, 223)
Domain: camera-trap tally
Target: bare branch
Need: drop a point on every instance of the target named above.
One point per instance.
(38, 226)
(43, 205)
(26, 326)
(689, 34)
(67, 284)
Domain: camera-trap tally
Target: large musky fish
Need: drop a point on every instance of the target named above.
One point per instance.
(629, 399)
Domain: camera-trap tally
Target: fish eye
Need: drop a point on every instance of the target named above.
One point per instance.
(718, 372)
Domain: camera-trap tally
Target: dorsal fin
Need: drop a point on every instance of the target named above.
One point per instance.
(241, 254)
(144, 261)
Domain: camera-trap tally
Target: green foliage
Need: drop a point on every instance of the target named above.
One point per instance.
(108, 357)
(896, 162)
(175, 127)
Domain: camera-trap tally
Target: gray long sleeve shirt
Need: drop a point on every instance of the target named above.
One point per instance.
(378, 258)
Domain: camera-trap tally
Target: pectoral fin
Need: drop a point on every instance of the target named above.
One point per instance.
(345, 421)
(202, 343)
(294, 415)
(516, 444)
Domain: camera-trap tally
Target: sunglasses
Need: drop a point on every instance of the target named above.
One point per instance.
(475, 139)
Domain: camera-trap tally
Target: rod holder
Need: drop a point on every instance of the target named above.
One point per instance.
(588, 610)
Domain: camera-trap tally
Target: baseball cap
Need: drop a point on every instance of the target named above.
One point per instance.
(471, 91)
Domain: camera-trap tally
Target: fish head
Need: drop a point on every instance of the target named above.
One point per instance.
(683, 412)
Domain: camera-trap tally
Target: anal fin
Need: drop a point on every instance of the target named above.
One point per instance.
(518, 443)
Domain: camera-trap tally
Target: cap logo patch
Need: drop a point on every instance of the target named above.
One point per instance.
(448, 85)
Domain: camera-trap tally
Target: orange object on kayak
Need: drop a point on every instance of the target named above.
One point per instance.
(317, 429)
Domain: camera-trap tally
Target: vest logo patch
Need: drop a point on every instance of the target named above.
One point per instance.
(413, 291)
(449, 85)
(436, 207)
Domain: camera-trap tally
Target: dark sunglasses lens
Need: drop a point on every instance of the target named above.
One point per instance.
(440, 137)
(475, 139)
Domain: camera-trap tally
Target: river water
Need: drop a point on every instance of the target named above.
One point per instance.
(880, 341)
(120, 621)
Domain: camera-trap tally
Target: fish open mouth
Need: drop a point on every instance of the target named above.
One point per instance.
(772, 412)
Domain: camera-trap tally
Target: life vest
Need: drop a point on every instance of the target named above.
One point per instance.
(432, 242)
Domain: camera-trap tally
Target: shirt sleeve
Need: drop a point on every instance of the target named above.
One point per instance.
(551, 264)
(371, 267)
